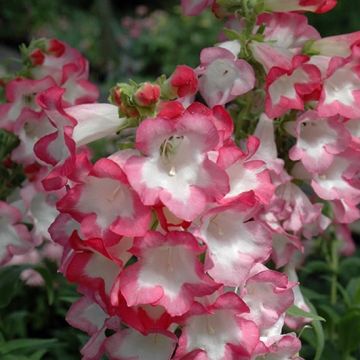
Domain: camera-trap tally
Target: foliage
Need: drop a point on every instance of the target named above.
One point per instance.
(340, 307)
(32, 324)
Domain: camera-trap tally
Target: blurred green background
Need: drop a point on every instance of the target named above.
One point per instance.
(130, 39)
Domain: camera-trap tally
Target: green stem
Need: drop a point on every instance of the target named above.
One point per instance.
(335, 268)
(333, 261)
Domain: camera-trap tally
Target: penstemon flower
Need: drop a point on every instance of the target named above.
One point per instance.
(186, 244)
(54, 77)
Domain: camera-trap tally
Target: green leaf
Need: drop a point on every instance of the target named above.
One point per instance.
(49, 282)
(38, 354)
(297, 312)
(311, 294)
(8, 142)
(329, 311)
(316, 266)
(28, 344)
(68, 299)
(319, 331)
(15, 324)
(14, 357)
(9, 282)
(349, 330)
(353, 290)
(350, 267)
(231, 34)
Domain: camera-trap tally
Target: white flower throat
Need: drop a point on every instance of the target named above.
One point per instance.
(168, 151)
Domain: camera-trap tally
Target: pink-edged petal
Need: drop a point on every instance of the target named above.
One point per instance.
(143, 318)
(285, 89)
(176, 170)
(223, 77)
(244, 173)
(30, 126)
(318, 141)
(155, 278)
(345, 212)
(15, 238)
(341, 90)
(348, 246)
(78, 89)
(284, 36)
(284, 246)
(235, 243)
(338, 45)
(95, 346)
(335, 182)
(220, 118)
(282, 347)
(195, 7)
(218, 332)
(106, 198)
(93, 272)
(86, 315)
(299, 301)
(20, 94)
(268, 294)
(131, 345)
(287, 30)
(318, 6)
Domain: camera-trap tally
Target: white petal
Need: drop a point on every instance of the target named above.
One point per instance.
(95, 121)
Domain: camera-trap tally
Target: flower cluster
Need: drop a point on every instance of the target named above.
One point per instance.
(48, 66)
(168, 239)
(185, 244)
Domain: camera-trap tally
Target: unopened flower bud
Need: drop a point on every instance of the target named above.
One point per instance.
(147, 95)
(170, 109)
(37, 57)
(115, 96)
(184, 81)
(56, 48)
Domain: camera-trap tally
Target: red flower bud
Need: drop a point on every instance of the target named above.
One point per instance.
(128, 111)
(56, 47)
(116, 96)
(170, 109)
(148, 94)
(184, 81)
(37, 57)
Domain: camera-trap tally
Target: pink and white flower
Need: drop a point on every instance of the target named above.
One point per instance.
(20, 94)
(218, 331)
(88, 316)
(195, 7)
(319, 140)
(318, 6)
(288, 88)
(285, 35)
(235, 243)
(128, 344)
(223, 76)
(15, 238)
(175, 169)
(339, 45)
(268, 294)
(245, 174)
(167, 273)
(337, 182)
(104, 202)
(341, 89)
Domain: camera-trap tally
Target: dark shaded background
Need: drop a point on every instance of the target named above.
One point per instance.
(123, 39)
